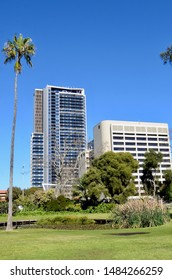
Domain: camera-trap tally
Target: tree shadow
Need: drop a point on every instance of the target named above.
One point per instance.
(128, 233)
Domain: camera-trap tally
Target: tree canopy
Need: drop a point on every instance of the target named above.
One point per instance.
(109, 177)
(166, 188)
(150, 167)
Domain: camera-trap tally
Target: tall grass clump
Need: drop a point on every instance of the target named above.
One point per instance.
(140, 213)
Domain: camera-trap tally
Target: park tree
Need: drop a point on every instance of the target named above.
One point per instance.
(65, 163)
(116, 174)
(91, 189)
(30, 191)
(150, 168)
(110, 176)
(16, 193)
(15, 50)
(166, 188)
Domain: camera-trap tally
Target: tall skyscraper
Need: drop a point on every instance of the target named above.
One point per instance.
(59, 136)
(135, 138)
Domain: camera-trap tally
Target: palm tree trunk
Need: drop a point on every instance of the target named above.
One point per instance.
(10, 199)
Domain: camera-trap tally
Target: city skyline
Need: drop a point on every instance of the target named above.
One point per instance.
(109, 48)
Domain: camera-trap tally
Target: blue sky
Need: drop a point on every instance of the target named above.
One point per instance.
(111, 48)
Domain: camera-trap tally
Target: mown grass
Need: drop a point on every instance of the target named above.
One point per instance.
(37, 216)
(48, 244)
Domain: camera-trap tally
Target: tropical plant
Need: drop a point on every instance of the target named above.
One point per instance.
(16, 50)
(167, 55)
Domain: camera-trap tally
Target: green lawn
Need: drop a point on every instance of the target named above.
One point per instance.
(34, 216)
(51, 244)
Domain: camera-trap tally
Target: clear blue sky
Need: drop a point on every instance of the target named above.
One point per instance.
(108, 47)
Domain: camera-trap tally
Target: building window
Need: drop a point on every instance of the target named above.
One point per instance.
(129, 138)
(118, 149)
(130, 149)
(118, 143)
(142, 149)
(141, 144)
(141, 138)
(130, 143)
(117, 138)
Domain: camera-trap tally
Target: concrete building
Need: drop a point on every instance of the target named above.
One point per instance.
(85, 158)
(3, 195)
(136, 138)
(59, 129)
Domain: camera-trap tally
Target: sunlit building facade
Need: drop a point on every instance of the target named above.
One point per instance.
(135, 138)
(59, 128)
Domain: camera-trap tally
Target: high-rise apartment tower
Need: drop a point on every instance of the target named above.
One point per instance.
(59, 134)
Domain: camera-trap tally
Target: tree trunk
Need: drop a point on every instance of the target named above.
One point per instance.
(10, 199)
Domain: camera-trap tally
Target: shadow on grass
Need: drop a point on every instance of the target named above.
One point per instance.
(127, 233)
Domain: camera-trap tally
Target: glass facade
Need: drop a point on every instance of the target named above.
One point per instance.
(64, 130)
(37, 155)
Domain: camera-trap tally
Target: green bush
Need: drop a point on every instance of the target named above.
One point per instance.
(3, 207)
(140, 213)
(101, 208)
(64, 220)
(57, 204)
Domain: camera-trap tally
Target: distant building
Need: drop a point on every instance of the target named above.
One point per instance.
(85, 160)
(3, 195)
(135, 138)
(59, 128)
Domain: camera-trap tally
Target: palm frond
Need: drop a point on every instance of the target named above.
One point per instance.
(167, 56)
(17, 49)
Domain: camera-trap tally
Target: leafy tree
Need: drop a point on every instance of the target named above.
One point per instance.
(15, 50)
(167, 55)
(36, 200)
(166, 189)
(16, 193)
(57, 204)
(91, 188)
(150, 168)
(31, 190)
(116, 174)
(109, 176)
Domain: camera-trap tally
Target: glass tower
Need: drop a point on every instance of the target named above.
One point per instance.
(59, 136)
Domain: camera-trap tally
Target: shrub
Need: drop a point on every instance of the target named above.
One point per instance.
(64, 220)
(140, 213)
(101, 208)
(57, 204)
(3, 207)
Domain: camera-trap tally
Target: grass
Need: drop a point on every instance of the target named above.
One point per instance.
(35, 216)
(48, 244)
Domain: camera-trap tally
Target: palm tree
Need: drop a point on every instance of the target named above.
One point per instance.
(15, 50)
(167, 56)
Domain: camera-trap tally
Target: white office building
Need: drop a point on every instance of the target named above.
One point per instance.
(136, 138)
